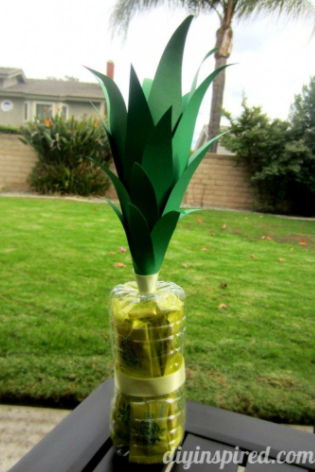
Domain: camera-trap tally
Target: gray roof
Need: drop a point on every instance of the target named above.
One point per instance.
(52, 88)
(58, 88)
(203, 138)
(6, 72)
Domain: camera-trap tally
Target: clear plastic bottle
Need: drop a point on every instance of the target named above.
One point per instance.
(148, 405)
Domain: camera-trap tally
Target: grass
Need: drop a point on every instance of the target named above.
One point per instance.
(254, 355)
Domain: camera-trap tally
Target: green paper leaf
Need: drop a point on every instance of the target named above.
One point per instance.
(162, 234)
(139, 125)
(187, 212)
(185, 100)
(185, 129)
(117, 116)
(146, 87)
(166, 88)
(140, 242)
(101, 119)
(107, 99)
(180, 187)
(194, 83)
(122, 193)
(153, 171)
(157, 158)
(143, 195)
(110, 138)
(116, 210)
(208, 143)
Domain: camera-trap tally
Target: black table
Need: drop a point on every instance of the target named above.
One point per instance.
(81, 443)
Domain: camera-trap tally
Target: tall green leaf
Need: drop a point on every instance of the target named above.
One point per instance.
(162, 234)
(185, 212)
(166, 89)
(117, 114)
(115, 154)
(143, 195)
(116, 210)
(184, 133)
(121, 191)
(185, 100)
(157, 158)
(140, 242)
(146, 87)
(194, 83)
(101, 119)
(139, 125)
(179, 189)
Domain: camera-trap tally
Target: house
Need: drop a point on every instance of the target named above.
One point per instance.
(203, 138)
(23, 99)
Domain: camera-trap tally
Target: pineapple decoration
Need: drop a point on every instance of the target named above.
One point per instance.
(151, 142)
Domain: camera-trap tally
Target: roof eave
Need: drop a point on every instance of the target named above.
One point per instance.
(61, 98)
(13, 73)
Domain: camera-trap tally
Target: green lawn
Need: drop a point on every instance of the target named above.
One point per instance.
(255, 355)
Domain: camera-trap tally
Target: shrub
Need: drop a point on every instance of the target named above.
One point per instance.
(63, 147)
(9, 130)
(302, 118)
(279, 160)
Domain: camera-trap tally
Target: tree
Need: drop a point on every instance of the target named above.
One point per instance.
(278, 155)
(226, 10)
(302, 115)
(302, 118)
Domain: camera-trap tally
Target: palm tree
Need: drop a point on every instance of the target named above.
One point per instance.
(226, 10)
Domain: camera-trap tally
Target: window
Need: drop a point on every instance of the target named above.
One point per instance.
(6, 105)
(44, 111)
(64, 111)
(26, 111)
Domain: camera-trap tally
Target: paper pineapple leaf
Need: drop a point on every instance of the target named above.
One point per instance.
(157, 158)
(166, 89)
(140, 242)
(187, 212)
(121, 191)
(117, 116)
(151, 148)
(143, 195)
(196, 155)
(146, 87)
(181, 185)
(194, 83)
(105, 93)
(110, 140)
(116, 210)
(101, 119)
(185, 100)
(162, 234)
(184, 132)
(139, 125)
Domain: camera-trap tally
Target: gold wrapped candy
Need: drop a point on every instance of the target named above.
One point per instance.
(148, 408)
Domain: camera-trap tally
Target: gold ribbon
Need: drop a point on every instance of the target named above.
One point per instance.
(152, 387)
(147, 283)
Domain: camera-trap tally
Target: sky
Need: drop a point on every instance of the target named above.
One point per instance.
(272, 57)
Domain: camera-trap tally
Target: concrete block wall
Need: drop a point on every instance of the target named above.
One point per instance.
(217, 181)
(16, 163)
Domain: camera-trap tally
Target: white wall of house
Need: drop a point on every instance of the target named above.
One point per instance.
(14, 115)
(24, 110)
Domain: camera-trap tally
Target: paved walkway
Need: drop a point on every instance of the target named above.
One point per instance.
(23, 427)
